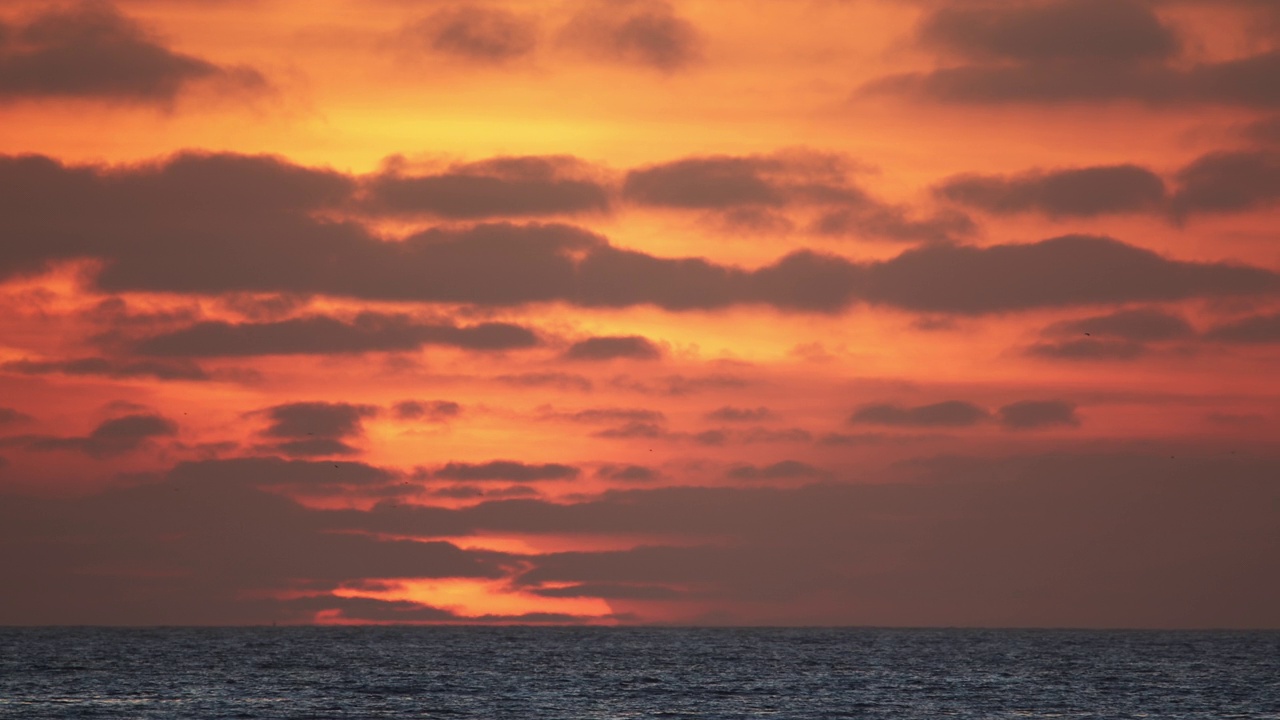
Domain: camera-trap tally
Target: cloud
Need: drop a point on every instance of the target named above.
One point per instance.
(1077, 192)
(639, 32)
(204, 543)
(631, 347)
(112, 368)
(475, 33)
(713, 182)
(506, 470)
(1049, 540)
(1224, 182)
(322, 419)
(1075, 51)
(628, 473)
(1061, 271)
(117, 436)
(367, 332)
(1265, 131)
(9, 416)
(610, 591)
(1135, 325)
(1088, 349)
(750, 190)
(766, 435)
(430, 410)
(784, 469)
(1254, 329)
(493, 188)
(614, 414)
(250, 224)
(1036, 414)
(91, 50)
(735, 414)
(952, 413)
(634, 429)
(559, 380)
(1080, 30)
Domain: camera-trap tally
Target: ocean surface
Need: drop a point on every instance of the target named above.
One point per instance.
(522, 672)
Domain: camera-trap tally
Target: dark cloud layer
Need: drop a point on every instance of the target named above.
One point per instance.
(322, 419)
(246, 226)
(749, 191)
(9, 416)
(1076, 51)
(367, 332)
(90, 50)
(498, 187)
(1088, 349)
(1042, 540)
(1137, 325)
(951, 413)
(475, 33)
(785, 469)
(641, 32)
(1109, 30)
(112, 368)
(1255, 329)
(1082, 192)
(632, 347)
(112, 437)
(1227, 182)
(429, 410)
(1034, 414)
(506, 470)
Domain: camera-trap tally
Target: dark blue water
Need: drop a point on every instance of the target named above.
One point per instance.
(399, 672)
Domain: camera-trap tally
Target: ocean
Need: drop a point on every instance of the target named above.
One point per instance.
(561, 673)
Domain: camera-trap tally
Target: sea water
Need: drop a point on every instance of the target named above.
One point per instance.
(529, 672)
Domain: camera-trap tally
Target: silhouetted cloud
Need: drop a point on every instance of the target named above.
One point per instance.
(429, 410)
(9, 416)
(768, 435)
(1062, 271)
(1265, 131)
(1036, 414)
(248, 225)
(634, 429)
(1228, 182)
(640, 32)
(91, 50)
(474, 32)
(321, 419)
(113, 368)
(610, 591)
(1077, 192)
(751, 189)
(367, 332)
(632, 347)
(736, 414)
(1088, 349)
(1080, 30)
(498, 187)
(1255, 329)
(506, 470)
(784, 469)
(1136, 325)
(628, 473)
(614, 414)
(559, 380)
(951, 413)
(1073, 51)
(111, 437)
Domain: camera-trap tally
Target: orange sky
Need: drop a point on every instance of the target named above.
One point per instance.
(870, 312)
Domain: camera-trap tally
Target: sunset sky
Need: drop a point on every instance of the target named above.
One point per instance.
(731, 312)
